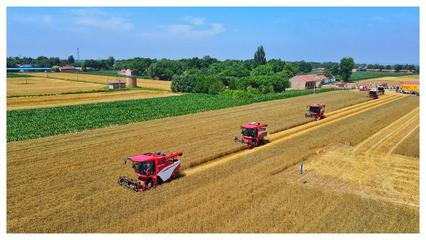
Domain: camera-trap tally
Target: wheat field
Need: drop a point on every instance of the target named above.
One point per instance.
(73, 177)
(148, 83)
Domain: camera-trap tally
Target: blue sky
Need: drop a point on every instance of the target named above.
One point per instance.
(369, 35)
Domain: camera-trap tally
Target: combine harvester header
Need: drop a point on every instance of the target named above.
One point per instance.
(151, 169)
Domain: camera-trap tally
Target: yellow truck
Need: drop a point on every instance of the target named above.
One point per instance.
(410, 87)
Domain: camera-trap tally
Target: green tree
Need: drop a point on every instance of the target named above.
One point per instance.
(184, 83)
(277, 65)
(42, 61)
(71, 59)
(305, 67)
(280, 81)
(259, 56)
(110, 62)
(262, 70)
(331, 70)
(346, 66)
(291, 69)
(397, 67)
(83, 66)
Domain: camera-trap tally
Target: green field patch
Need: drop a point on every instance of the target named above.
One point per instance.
(43, 122)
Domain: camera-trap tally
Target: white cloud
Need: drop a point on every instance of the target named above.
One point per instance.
(87, 11)
(195, 20)
(186, 30)
(90, 18)
(109, 24)
(42, 19)
(195, 28)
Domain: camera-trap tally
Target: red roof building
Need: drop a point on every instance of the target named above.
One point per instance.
(309, 81)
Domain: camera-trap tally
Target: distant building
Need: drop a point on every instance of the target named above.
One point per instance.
(116, 85)
(373, 70)
(344, 85)
(388, 70)
(307, 81)
(67, 69)
(86, 69)
(26, 66)
(131, 78)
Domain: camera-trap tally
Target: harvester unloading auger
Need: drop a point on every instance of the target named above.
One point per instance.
(151, 169)
(253, 134)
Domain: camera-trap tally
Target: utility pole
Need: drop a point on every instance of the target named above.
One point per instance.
(78, 60)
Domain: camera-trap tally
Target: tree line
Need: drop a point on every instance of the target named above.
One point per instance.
(210, 75)
(48, 62)
(396, 67)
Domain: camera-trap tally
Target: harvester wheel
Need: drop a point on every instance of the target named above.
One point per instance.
(135, 188)
(149, 183)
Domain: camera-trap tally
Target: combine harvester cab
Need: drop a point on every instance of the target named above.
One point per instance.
(316, 111)
(253, 134)
(381, 90)
(151, 169)
(372, 93)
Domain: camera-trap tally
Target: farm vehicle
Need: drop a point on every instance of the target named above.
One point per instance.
(373, 93)
(151, 169)
(380, 90)
(253, 134)
(316, 111)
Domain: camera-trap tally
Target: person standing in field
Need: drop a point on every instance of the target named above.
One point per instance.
(301, 167)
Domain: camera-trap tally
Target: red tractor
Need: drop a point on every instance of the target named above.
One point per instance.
(316, 111)
(253, 134)
(151, 169)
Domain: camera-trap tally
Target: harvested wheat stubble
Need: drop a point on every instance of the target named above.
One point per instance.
(40, 86)
(239, 196)
(82, 98)
(391, 81)
(411, 145)
(149, 83)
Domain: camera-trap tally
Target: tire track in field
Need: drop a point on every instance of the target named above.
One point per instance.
(370, 169)
(402, 140)
(385, 137)
(297, 131)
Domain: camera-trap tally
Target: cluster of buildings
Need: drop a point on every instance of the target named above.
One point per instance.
(68, 68)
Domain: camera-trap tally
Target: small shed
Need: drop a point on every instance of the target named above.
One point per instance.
(116, 85)
(131, 78)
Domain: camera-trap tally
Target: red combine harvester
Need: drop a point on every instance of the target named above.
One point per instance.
(380, 89)
(253, 134)
(316, 111)
(373, 93)
(151, 169)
